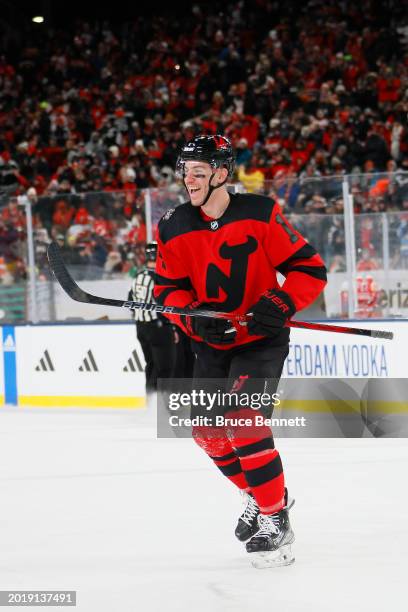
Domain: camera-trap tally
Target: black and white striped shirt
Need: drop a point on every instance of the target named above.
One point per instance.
(142, 291)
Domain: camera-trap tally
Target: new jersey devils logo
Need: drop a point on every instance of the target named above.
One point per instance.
(221, 142)
(234, 284)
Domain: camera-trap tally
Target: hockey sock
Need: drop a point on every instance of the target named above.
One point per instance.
(231, 468)
(261, 464)
(220, 450)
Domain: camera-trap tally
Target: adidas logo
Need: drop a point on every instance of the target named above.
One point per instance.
(133, 363)
(45, 364)
(88, 363)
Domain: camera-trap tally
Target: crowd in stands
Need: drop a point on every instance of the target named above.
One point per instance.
(92, 115)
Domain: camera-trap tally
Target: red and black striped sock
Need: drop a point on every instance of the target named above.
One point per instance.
(230, 466)
(220, 450)
(261, 464)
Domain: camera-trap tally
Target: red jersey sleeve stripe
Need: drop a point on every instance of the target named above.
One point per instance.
(302, 288)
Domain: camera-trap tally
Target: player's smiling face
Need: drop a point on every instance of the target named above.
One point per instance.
(196, 179)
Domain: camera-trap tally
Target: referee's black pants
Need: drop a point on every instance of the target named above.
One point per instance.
(157, 341)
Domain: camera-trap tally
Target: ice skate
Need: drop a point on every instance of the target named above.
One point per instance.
(271, 545)
(248, 521)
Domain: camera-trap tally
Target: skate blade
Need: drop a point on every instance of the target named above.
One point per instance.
(276, 558)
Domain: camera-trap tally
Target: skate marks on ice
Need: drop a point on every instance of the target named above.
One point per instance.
(135, 523)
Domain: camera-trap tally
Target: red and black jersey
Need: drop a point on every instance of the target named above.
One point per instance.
(233, 260)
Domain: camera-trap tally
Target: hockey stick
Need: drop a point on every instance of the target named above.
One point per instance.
(76, 293)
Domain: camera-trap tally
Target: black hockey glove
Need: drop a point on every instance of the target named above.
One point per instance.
(213, 331)
(270, 313)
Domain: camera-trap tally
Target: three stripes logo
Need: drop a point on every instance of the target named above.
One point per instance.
(45, 364)
(88, 363)
(133, 363)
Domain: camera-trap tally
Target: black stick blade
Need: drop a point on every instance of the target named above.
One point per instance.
(69, 285)
(63, 276)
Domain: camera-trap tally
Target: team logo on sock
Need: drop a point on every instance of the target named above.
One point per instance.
(239, 383)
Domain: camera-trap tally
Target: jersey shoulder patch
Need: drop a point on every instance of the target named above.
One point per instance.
(168, 214)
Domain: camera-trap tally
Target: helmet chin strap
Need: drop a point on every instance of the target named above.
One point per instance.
(211, 188)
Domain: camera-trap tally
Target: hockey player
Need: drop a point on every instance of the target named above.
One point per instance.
(154, 332)
(222, 251)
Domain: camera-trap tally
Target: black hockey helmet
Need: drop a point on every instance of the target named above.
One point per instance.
(214, 150)
(151, 251)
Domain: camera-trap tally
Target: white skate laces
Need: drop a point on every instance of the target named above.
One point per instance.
(278, 551)
(251, 511)
(268, 523)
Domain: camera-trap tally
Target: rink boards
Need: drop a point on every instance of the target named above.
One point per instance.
(85, 366)
(101, 365)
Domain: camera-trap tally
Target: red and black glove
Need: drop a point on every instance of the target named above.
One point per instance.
(270, 313)
(213, 331)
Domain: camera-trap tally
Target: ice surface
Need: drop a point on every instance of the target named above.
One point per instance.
(91, 501)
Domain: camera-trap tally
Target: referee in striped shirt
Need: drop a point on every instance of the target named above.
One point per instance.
(154, 332)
